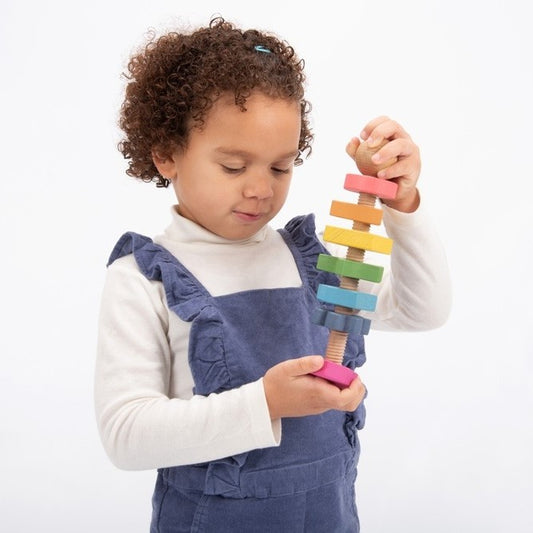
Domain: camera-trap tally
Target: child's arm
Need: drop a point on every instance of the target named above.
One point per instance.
(140, 424)
(143, 427)
(415, 293)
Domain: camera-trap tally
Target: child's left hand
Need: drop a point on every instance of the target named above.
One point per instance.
(405, 171)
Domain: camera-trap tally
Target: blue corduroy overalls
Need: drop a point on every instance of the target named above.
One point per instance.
(307, 483)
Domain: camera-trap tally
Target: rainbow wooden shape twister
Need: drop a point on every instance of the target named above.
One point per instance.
(346, 299)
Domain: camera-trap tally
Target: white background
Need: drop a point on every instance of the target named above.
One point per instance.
(449, 438)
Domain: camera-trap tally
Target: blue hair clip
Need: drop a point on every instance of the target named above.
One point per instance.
(264, 49)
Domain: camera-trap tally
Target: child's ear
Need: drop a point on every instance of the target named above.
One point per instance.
(165, 164)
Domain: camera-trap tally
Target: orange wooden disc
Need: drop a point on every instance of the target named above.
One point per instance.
(358, 212)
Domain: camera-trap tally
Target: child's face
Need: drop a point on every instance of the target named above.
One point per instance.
(234, 175)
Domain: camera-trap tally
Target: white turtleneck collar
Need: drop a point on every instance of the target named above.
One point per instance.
(186, 231)
(225, 266)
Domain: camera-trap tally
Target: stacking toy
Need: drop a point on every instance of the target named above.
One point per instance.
(346, 298)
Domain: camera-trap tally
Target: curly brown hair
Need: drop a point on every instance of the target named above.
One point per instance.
(175, 80)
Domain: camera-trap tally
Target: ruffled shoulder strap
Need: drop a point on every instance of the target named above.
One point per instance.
(301, 238)
(185, 295)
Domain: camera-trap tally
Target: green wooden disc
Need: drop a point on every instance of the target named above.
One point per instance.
(350, 269)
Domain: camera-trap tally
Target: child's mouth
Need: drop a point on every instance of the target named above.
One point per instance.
(247, 217)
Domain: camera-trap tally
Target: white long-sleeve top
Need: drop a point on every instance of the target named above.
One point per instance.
(146, 412)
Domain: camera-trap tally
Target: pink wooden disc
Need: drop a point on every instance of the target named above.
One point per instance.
(369, 184)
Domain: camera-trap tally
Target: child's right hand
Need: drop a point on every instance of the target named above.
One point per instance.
(291, 392)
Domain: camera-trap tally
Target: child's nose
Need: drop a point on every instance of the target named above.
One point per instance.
(259, 185)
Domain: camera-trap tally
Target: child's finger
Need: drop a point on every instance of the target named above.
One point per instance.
(353, 395)
(395, 149)
(388, 129)
(372, 125)
(403, 168)
(303, 365)
(352, 147)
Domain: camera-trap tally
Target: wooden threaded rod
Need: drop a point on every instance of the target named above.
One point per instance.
(337, 339)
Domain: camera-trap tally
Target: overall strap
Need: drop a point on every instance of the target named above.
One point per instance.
(185, 294)
(300, 236)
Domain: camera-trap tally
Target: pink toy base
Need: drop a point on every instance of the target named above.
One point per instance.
(338, 375)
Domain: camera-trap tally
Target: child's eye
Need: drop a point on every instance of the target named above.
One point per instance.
(232, 170)
(280, 170)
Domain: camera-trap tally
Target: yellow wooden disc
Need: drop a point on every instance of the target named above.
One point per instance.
(358, 239)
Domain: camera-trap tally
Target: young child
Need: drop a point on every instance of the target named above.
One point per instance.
(205, 340)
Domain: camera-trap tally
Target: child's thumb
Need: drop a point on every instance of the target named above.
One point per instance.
(307, 364)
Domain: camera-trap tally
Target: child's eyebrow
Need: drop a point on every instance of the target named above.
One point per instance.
(244, 153)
